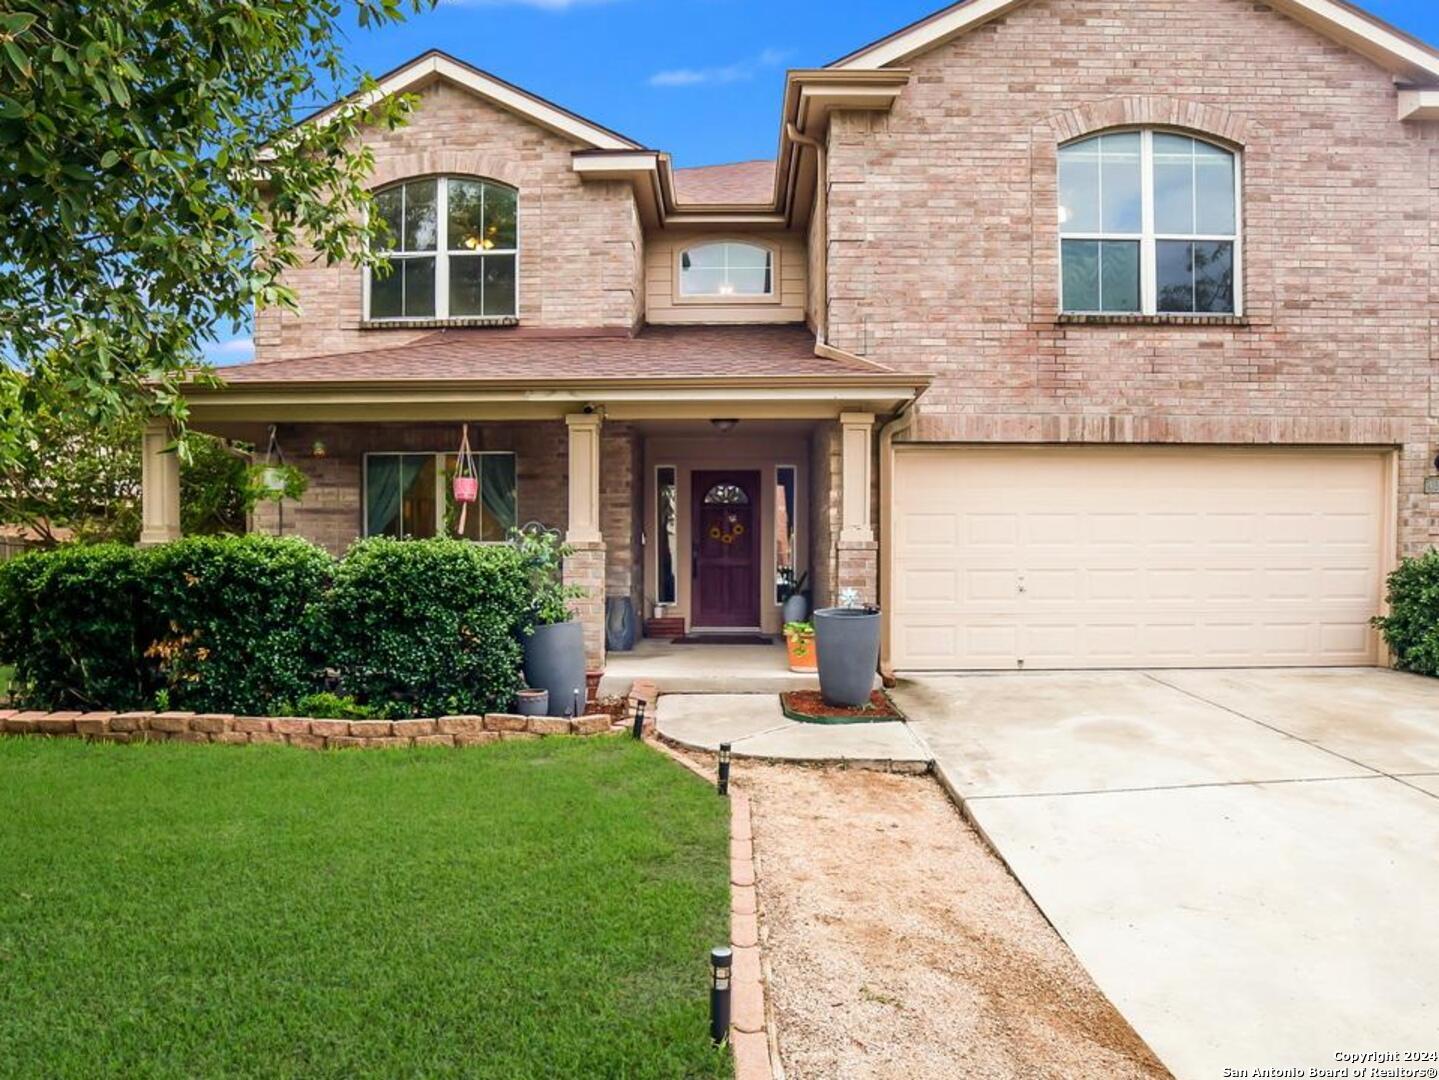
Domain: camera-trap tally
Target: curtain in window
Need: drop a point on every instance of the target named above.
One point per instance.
(497, 494)
(387, 479)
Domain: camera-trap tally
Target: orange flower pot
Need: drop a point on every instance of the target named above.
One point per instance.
(803, 657)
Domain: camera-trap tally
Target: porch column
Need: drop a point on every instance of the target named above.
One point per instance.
(159, 486)
(585, 566)
(858, 552)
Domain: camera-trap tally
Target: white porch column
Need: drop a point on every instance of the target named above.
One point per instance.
(856, 434)
(159, 486)
(584, 478)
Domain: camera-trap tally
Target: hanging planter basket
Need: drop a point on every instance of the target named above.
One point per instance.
(274, 478)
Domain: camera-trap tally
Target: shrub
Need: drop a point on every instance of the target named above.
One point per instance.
(1412, 626)
(327, 705)
(424, 628)
(69, 624)
(228, 620)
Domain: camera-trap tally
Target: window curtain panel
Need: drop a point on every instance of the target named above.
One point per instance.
(497, 493)
(388, 478)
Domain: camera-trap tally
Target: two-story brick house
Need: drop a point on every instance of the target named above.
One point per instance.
(1077, 333)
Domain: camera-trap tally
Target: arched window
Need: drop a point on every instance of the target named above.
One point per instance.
(727, 269)
(1149, 224)
(726, 495)
(453, 245)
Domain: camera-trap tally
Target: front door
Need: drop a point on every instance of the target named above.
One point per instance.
(725, 553)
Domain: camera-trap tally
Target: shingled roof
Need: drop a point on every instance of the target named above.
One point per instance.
(541, 356)
(742, 183)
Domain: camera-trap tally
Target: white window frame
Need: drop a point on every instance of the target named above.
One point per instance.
(771, 297)
(1149, 240)
(441, 494)
(442, 254)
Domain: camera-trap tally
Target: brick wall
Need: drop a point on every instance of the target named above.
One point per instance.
(331, 512)
(943, 252)
(581, 243)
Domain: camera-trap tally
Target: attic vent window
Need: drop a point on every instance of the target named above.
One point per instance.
(453, 248)
(727, 270)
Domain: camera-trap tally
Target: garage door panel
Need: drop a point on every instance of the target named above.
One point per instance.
(1112, 557)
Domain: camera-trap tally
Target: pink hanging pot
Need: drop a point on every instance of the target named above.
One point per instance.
(467, 489)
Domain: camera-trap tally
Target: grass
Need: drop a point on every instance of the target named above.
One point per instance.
(538, 909)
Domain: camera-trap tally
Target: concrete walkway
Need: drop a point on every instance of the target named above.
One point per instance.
(1244, 860)
(755, 727)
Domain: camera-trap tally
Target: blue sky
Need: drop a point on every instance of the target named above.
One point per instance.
(699, 78)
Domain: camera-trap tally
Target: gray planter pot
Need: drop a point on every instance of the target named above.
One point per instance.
(555, 661)
(621, 628)
(796, 608)
(532, 702)
(847, 640)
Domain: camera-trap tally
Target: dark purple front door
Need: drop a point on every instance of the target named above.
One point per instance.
(725, 550)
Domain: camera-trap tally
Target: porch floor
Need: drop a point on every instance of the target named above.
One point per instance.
(703, 669)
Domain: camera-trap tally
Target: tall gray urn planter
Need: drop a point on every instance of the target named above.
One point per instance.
(555, 661)
(847, 641)
(796, 608)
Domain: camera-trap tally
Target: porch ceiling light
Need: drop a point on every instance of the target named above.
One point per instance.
(724, 426)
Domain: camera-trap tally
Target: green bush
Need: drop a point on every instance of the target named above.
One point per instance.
(327, 705)
(70, 625)
(1412, 626)
(228, 620)
(425, 628)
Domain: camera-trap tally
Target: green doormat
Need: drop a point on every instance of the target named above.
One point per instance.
(808, 707)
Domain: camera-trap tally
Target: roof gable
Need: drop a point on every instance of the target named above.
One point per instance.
(1405, 56)
(435, 66)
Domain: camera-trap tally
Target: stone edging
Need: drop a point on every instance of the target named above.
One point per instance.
(302, 731)
(752, 1034)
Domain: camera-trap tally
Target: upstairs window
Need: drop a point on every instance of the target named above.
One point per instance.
(1149, 224)
(454, 248)
(727, 270)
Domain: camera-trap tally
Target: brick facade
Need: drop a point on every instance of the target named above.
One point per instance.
(581, 242)
(943, 238)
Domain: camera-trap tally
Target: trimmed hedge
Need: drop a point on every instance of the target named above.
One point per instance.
(230, 620)
(70, 623)
(1412, 626)
(428, 628)
(251, 624)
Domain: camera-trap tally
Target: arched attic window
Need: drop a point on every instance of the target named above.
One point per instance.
(1149, 223)
(453, 244)
(728, 269)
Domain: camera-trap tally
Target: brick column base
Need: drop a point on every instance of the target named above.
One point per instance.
(858, 569)
(586, 568)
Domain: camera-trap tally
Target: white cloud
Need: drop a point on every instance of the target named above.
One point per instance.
(543, 5)
(740, 71)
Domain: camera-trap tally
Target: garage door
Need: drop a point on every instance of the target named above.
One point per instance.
(1091, 557)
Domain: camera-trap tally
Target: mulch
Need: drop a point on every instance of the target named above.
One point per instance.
(809, 707)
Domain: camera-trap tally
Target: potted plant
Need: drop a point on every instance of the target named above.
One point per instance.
(848, 641)
(792, 595)
(799, 643)
(555, 642)
(271, 483)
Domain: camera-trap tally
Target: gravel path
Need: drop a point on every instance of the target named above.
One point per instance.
(899, 946)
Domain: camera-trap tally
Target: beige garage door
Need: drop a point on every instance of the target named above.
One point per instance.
(1091, 557)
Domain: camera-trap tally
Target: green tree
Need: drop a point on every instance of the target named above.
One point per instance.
(155, 188)
(67, 479)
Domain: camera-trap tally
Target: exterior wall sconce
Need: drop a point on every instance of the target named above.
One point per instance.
(318, 449)
(724, 427)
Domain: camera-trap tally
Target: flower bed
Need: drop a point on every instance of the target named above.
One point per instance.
(307, 732)
(808, 707)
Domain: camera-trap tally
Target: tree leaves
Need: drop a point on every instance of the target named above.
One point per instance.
(155, 188)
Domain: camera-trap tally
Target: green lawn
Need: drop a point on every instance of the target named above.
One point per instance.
(537, 909)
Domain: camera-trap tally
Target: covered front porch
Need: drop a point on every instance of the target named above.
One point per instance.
(690, 501)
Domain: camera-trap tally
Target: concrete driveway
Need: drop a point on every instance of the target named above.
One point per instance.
(1247, 862)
